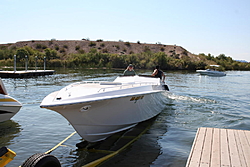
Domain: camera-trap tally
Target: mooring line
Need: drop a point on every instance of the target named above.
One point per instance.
(59, 144)
(105, 158)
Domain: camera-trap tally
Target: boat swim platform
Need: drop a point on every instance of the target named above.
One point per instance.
(220, 147)
(25, 74)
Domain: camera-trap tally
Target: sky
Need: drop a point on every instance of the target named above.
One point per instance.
(200, 26)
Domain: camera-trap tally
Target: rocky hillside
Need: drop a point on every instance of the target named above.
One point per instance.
(84, 46)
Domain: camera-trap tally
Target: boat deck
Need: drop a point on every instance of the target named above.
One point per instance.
(220, 147)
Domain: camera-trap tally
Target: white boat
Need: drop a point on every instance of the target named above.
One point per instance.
(98, 109)
(8, 105)
(211, 72)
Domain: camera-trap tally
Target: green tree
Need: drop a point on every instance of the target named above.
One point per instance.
(21, 53)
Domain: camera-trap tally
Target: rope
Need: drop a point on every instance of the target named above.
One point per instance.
(99, 161)
(59, 144)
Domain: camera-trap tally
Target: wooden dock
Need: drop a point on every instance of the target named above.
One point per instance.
(25, 74)
(220, 147)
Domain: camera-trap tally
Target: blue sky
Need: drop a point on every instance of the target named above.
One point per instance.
(200, 26)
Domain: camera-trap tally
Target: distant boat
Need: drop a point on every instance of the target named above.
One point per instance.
(8, 105)
(211, 72)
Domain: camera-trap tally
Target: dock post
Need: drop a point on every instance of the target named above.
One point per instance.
(26, 62)
(14, 63)
(44, 63)
(35, 62)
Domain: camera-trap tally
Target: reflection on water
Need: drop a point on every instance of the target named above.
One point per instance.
(8, 131)
(145, 149)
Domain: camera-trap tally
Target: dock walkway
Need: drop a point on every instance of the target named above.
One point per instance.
(220, 147)
(25, 74)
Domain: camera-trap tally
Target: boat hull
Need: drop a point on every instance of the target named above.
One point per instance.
(95, 121)
(8, 107)
(211, 73)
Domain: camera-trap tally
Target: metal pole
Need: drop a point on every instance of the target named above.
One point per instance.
(14, 63)
(44, 63)
(26, 62)
(36, 62)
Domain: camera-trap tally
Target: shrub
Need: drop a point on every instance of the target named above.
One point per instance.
(92, 44)
(117, 47)
(77, 47)
(146, 49)
(55, 63)
(50, 42)
(81, 51)
(105, 50)
(44, 46)
(38, 46)
(62, 50)
(57, 47)
(127, 44)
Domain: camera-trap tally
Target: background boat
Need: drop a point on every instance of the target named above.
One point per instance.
(8, 105)
(212, 71)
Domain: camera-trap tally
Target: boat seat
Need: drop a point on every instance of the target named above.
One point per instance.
(110, 83)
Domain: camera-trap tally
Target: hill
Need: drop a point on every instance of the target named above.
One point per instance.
(111, 54)
(80, 46)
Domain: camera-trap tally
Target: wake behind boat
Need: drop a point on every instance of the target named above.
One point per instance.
(98, 109)
(8, 105)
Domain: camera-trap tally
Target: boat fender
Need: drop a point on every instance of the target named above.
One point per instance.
(165, 87)
(85, 108)
(41, 160)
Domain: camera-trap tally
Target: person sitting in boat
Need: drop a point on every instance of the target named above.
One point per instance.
(158, 73)
(129, 71)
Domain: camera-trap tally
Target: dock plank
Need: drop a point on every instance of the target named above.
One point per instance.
(220, 147)
(215, 155)
(225, 160)
(240, 147)
(197, 148)
(233, 149)
(245, 142)
(206, 153)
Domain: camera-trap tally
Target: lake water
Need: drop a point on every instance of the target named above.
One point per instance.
(195, 101)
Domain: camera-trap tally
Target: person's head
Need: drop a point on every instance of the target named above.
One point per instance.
(157, 67)
(130, 67)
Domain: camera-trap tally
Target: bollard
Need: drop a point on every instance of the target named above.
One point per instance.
(26, 62)
(44, 63)
(35, 63)
(14, 63)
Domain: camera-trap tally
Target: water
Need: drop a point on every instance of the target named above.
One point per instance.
(195, 101)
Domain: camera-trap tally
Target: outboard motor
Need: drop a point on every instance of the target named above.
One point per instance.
(165, 87)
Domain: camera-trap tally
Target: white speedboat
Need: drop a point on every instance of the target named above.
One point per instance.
(98, 109)
(211, 72)
(8, 105)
